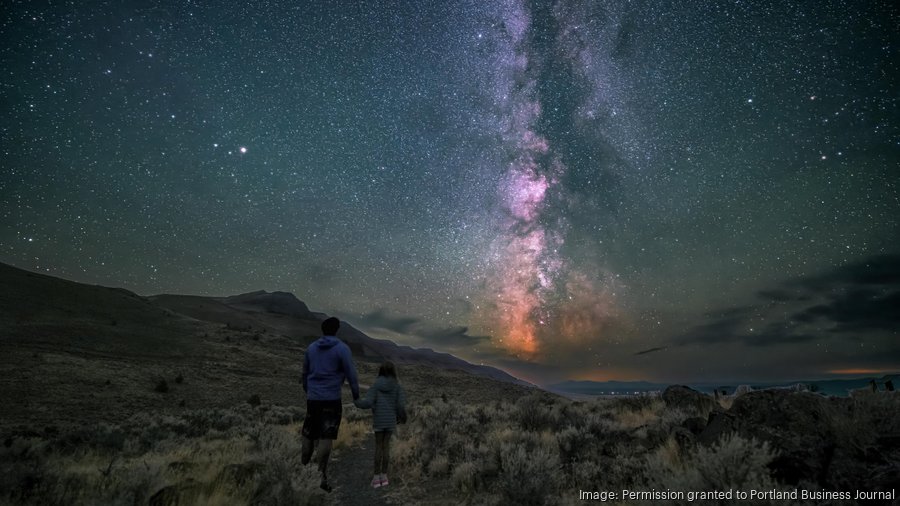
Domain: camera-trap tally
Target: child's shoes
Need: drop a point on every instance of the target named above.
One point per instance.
(384, 480)
(376, 481)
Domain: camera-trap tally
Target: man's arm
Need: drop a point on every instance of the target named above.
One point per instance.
(369, 401)
(305, 370)
(350, 371)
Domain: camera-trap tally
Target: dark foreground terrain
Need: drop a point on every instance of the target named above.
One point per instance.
(112, 398)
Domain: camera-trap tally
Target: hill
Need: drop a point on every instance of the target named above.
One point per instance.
(72, 353)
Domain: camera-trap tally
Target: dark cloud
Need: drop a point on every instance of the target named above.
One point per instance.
(855, 298)
(380, 319)
(453, 337)
(719, 330)
(857, 310)
(781, 295)
(883, 270)
(741, 330)
(651, 350)
(433, 335)
(776, 334)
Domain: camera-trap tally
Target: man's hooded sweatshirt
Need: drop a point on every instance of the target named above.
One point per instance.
(326, 365)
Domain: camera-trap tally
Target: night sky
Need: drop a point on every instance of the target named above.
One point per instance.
(670, 191)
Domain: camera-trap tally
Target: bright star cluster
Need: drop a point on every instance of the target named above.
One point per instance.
(565, 189)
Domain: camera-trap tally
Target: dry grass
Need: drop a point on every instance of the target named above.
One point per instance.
(164, 460)
(352, 433)
(648, 414)
(498, 454)
(449, 453)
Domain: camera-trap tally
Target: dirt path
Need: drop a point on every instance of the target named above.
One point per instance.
(350, 473)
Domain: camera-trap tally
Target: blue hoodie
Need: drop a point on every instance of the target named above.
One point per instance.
(325, 366)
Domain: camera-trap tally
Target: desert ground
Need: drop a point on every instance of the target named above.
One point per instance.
(112, 398)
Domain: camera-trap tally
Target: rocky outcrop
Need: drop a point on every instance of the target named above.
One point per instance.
(276, 302)
(688, 400)
(814, 437)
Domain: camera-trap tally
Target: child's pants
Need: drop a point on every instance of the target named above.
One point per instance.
(382, 451)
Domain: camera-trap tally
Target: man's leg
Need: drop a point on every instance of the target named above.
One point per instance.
(322, 456)
(306, 450)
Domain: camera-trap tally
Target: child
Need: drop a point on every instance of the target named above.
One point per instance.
(388, 403)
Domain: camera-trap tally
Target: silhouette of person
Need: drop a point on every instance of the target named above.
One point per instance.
(326, 365)
(387, 401)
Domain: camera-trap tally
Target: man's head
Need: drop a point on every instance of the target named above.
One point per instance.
(331, 326)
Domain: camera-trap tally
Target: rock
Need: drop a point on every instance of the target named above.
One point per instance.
(683, 437)
(742, 390)
(688, 400)
(174, 495)
(236, 476)
(718, 424)
(795, 424)
(694, 425)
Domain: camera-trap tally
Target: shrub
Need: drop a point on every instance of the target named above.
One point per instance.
(439, 465)
(533, 413)
(254, 400)
(161, 386)
(518, 483)
(466, 477)
(732, 463)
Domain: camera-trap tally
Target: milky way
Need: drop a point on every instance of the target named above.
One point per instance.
(566, 189)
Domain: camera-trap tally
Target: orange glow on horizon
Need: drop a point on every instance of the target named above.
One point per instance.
(610, 375)
(863, 371)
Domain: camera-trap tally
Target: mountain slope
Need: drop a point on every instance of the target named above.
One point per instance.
(283, 313)
(72, 353)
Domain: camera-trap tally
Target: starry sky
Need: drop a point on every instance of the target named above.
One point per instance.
(669, 191)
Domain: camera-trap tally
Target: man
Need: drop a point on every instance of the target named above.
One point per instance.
(326, 365)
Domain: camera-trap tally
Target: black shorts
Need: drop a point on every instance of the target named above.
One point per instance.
(323, 419)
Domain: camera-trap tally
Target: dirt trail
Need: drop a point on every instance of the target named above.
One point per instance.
(350, 473)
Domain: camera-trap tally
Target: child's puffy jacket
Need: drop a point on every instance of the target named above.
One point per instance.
(387, 399)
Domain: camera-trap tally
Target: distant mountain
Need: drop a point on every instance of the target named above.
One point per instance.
(283, 313)
(835, 387)
(275, 302)
(606, 387)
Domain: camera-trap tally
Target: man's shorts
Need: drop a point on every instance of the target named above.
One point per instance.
(323, 419)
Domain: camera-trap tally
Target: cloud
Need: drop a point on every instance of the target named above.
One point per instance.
(651, 350)
(720, 329)
(846, 301)
(380, 319)
(452, 337)
(433, 335)
(857, 310)
(879, 270)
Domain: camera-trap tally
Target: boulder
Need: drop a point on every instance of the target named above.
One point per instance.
(695, 425)
(795, 424)
(689, 400)
(175, 495)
